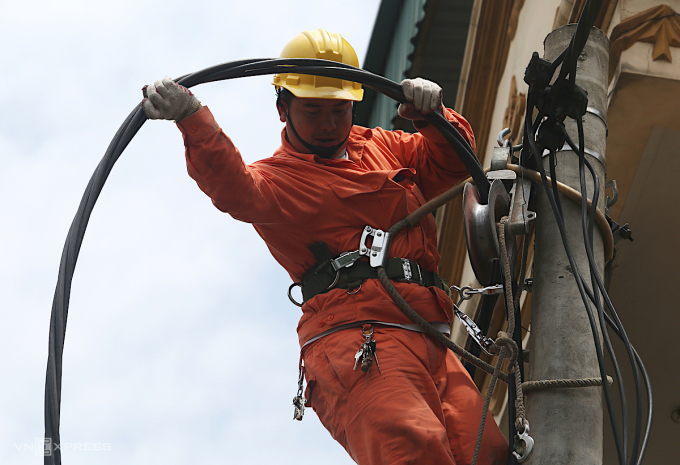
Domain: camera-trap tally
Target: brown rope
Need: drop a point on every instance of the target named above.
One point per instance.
(563, 383)
(506, 343)
(485, 409)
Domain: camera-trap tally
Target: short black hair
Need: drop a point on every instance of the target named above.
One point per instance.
(283, 95)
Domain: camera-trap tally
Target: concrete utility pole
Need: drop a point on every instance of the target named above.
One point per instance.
(566, 424)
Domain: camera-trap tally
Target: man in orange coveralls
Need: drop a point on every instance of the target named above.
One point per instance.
(325, 184)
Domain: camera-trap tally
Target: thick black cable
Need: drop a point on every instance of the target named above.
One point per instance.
(596, 280)
(62, 294)
(585, 23)
(587, 229)
(648, 389)
(122, 138)
(572, 262)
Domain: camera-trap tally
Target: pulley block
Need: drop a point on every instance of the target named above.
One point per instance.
(481, 229)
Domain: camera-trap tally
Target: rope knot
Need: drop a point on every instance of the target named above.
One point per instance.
(505, 341)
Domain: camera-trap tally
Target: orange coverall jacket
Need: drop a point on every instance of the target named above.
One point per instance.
(423, 407)
(295, 199)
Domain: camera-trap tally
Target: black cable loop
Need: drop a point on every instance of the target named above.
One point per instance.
(596, 279)
(577, 275)
(122, 138)
(588, 244)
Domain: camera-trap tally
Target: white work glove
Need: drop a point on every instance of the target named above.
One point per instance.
(167, 100)
(423, 97)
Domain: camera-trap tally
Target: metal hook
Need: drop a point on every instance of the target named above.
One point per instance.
(501, 136)
(335, 281)
(290, 296)
(524, 445)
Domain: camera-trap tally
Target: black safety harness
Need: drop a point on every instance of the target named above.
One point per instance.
(350, 270)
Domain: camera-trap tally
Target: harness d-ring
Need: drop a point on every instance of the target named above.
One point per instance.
(290, 296)
(354, 291)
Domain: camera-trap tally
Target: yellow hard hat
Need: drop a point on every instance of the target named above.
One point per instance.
(323, 45)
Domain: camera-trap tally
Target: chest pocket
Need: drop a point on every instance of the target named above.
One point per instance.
(345, 188)
(372, 201)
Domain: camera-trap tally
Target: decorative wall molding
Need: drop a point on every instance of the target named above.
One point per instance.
(659, 26)
(496, 28)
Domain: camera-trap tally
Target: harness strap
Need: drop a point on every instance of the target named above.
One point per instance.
(322, 278)
(440, 325)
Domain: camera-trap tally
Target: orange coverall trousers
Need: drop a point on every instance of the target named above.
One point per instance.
(422, 408)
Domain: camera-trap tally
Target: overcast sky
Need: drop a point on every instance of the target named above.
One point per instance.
(181, 344)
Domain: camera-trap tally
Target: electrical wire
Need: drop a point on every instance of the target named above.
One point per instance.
(568, 58)
(131, 125)
(596, 281)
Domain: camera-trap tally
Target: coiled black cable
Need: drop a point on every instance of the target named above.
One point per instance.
(130, 127)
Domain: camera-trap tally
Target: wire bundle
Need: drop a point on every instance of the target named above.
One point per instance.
(597, 292)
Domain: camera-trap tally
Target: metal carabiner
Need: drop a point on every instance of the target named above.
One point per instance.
(524, 445)
(463, 293)
(290, 296)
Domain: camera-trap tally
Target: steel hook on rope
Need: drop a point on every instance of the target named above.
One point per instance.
(524, 444)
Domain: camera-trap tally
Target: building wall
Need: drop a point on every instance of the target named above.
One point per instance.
(398, 61)
(643, 132)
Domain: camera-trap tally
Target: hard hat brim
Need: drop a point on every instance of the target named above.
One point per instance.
(355, 95)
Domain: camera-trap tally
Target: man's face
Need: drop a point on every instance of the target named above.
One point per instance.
(320, 122)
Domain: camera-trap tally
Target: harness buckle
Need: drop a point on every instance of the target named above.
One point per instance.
(376, 253)
(408, 271)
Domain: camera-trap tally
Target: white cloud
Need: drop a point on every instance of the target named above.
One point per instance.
(181, 344)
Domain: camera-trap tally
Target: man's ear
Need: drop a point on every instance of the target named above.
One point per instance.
(282, 112)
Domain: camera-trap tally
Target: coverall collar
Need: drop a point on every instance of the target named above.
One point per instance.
(358, 137)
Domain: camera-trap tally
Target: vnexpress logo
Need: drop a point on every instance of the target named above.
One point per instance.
(43, 447)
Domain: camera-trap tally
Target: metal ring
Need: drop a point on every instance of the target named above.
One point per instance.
(357, 290)
(290, 296)
(567, 148)
(465, 293)
(599, 114)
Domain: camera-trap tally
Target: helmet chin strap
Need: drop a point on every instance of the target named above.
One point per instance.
(321, 151)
